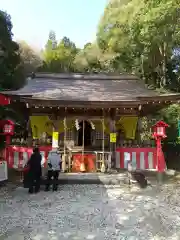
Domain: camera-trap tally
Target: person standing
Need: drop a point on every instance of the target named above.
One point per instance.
(35, 171)
(54, 167)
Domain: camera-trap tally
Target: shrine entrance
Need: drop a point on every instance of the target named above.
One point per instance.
(87, 134)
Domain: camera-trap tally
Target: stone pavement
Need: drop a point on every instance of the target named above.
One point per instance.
(94, 212)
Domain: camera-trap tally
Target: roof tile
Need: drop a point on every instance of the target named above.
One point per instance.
(80, 87)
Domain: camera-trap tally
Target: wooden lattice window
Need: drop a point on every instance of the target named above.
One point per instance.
(69, 135)
(99, 135)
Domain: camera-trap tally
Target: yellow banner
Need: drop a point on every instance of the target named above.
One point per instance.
(41, 124)
(38, 125)
(129, 125)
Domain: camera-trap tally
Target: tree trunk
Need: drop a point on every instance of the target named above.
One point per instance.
(163, 51)
(142, 69)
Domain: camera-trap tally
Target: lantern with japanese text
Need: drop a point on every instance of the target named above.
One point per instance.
(159, 130)
(7, 127)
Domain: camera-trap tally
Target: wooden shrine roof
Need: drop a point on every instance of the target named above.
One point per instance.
(85, 88)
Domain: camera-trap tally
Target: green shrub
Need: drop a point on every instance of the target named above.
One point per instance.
(171, 115)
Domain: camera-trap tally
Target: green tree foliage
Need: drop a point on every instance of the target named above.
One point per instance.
(31, 59)
(12, 74)
(171, 115)
(88, 59)
(143, 34)
(59, 57)
(11, 68)
(134, 36)
(7, 112)
(92, 59)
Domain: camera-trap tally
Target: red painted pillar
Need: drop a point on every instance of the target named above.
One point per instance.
(8, 140)
(160, 160)
(160, 157)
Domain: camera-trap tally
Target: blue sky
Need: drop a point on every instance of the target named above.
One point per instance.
(33, 19)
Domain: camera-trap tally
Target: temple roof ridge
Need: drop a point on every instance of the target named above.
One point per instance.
(92, 88)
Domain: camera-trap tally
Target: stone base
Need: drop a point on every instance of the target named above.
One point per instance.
(92, 178)
(112, 178)
(15, 175)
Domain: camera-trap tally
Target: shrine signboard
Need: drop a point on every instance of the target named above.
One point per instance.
(55, 137)
(113, 137)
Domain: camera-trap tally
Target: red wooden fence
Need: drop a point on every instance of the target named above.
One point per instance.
(142, 158)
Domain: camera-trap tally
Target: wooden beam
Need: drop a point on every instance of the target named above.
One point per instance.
(113, 130)
(167, 99)
(78, 104)
(151, 108)
(87, 113)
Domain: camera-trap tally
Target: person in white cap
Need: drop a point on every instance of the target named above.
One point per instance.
(54, 167)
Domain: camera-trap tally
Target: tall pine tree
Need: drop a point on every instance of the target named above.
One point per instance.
(11, 70)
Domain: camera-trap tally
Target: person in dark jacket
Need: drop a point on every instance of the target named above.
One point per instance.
(35, 171)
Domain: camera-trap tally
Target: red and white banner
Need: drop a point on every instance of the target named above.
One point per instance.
(17, 156)
(141, 158)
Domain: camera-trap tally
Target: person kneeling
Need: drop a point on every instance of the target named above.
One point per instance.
(54, 163)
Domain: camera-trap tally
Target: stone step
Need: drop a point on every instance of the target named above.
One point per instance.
(113, 178)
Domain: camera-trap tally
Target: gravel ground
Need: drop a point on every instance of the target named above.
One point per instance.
(91, 212)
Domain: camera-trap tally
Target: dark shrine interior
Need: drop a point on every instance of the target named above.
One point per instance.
(87, 134)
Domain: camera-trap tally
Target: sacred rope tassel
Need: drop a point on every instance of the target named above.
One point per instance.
(77, 124)
(92, 125)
